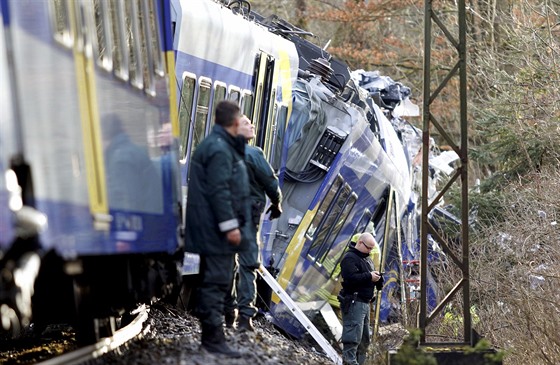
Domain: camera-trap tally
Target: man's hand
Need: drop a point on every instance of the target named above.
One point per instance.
(275, 211)
(234, 237)
(375, 276)
(379, 283)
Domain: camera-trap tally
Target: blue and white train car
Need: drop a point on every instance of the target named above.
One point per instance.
(220, 54)
(340, 162)
(100, 137)
(338, 177)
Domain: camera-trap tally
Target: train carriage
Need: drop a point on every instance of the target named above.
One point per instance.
(221, 55)
(93, 103)
(338, 179)
(340, 162)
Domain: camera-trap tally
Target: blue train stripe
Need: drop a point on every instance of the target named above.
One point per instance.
(164, 12)
(5, 10)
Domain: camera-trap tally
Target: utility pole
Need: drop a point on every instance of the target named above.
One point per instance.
(456, 38)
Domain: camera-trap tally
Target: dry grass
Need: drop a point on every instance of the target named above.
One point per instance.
(515, 274)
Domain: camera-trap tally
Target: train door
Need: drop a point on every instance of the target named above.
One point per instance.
(265, 95)
(276, 138)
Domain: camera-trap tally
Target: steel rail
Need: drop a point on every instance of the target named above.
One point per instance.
(105, 344)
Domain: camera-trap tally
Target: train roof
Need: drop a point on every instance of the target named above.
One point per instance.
(307, 50)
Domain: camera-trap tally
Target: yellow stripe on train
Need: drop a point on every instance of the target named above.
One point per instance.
(89, 115)
(173, 106)
(294, 251)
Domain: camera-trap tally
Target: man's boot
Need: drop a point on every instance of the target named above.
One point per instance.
(214, 341)
(230, 318)
(245, 324)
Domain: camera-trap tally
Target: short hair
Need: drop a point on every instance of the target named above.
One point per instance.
(226, 113)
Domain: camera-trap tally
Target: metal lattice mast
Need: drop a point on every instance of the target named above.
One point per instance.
(460, 175)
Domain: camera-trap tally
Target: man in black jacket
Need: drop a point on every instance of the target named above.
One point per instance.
(359, 282)
(218, 221)
(263, 183)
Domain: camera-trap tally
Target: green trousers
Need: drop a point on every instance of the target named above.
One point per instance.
(216, 276)
(355, 333)
(242, 293)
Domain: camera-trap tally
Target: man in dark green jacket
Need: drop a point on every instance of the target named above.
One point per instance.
(263, 183)
(218, 221)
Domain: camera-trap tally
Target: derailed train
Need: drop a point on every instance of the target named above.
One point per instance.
(343, 154)
(100, 117)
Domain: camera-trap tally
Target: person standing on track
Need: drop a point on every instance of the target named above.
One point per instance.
(218, 220)
(263, 183)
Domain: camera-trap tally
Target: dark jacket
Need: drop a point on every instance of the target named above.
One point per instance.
(356, 268)
(262, 180)
(218, 195)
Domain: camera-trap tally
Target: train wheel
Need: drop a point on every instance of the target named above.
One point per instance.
(105, 327)
(87, 330)
(125, 320)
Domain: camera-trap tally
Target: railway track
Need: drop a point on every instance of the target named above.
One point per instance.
(104, 345)
(57, 344)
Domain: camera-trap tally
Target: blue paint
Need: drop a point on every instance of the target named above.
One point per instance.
(163, 11)
(7, 232)
(5, 12)
(71, 232)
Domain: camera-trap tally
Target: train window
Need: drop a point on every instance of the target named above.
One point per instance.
(257, 110)
(153, 34)
(268, 103)
(82, 37)
(145, 37)
(333, 219)
(324, 207)
(149, 40)
(270, 127)
(247, 104)
(185, 112)
(219, 95)
(201, 114)
(134, 40)
(103, 41)
(337, 257)
(364, 222)
(119, 34)
(234, 95)
(326, 150)
(278, 141)
(60, 22)
(247, 109)
(264, 96)
(334, 232)
(259, 78)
